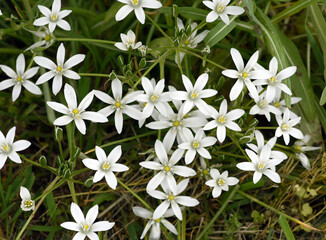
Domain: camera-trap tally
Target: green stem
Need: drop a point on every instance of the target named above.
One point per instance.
(152, 29)
(159, 28)
(135, 194)
(85, 40)
(36, 207)
(53, 170)
(94, 75)
(72, 190)
(207, 60)
(201, 235)
(31, 62)
(241, 149)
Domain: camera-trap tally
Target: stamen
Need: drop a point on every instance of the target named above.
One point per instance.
(205, 171)
(75, 111)
(220, 8)
(28, 203)
(221, 182)
(171, 197)
(117, 104)
(176, 123)
(244, 75)
(194, 95)
(106, 166)
(154, 98)
(48, 38)
(196, 144)
(222, 119)
(59, 68)
(187, 42)
(167, 168)
(54, 17)
(19, 79)
(277, 104)
(273, 79)
(286, 127)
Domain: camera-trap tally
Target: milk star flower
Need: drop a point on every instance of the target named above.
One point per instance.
(128, 41)
(9, 148)
(118, 104)
(60, 69)
(197, 144)
(172, 199)
(221, 9)
(220, 182)
(223, 120)
(86, 226)
(106, 165)
(74, 112)
(286, 127)
(27, 204)
(53, 17)
(19, 78)
(137, 6)
(46, 39)
(166, 167)
(263, 107)
(244, 74)
(261, 164)
(194, 94)
(155, 224)
(275, 79)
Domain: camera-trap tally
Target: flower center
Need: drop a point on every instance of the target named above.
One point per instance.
(19, 79)
(167, 168)
(28, 203)
(196, 144)
(187, 42)
(262, 103)
(86, 227)
(75, 111)
(244, 75)
(117, 104)
(105, 166)
(59, 68)
(298, 147)
(220, 8)
(48, 38)
(171, 197)
(194, 95)
(277, 104)
(130, 42)
(205, 171)
(176, 123)
(135, 2)
(222, 119)
(5, 147)
(286, 127)
(273, 80)
(221, 182)
(261, 165)
(154, 98)
(158, 220)
(54, 17)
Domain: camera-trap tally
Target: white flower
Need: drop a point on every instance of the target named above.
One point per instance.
(143, 50)
(261, 143)
(275, 79)
(53, 17)
(9, 148)
(220, 182)
(261, 164)
(118, 104)
(46, 39)
(128, 41)
(58, 70)
(280, 104)
(194, 94)
(244, 74)
(189, 41)
(27, 203)
(172, 199)
(19, 78)
(221, 9)
(166, 167)
(222, 119)
(178, 123)
(137, 6)
(106, 165)
(286, 127)
(197, 144)
(86, 226)
(0, 13)
(301, 148)
(263, 107)
(155, 224)
(76, 113)
(153, 97)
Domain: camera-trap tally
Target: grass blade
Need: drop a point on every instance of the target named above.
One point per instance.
(286, 228)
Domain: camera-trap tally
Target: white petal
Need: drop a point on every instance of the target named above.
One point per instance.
(45, 62)
(123, 12)
(272, 175)
(257, 177)
(92, 214)
(20, 145)
(31, 87)
(74, 60)
(111, 180)
(76, 213)
(161, 209)
(24, 193)
(102, 226)
(71, 226)
(80, 124)
(62, 121)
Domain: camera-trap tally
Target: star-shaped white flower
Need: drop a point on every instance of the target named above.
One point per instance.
(9, 148)
(244, 74)
(76, 113)
(118, 104)
(53, 17)
(172, 199)
(105, 166)
(128, 41)
(221, 9)
(155, 224)
(27, 204)
(286, 127)
(19, 78)
(46, 39)
(60, 69)
(194, 94)
(261, 164)
(197, 144)
(137, 6)
(274, 80)
(223, 120)
(86, 226)
(166, 167)
(220, 182)
(153, 97)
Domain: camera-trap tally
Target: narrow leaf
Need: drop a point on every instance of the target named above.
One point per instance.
(286, 228)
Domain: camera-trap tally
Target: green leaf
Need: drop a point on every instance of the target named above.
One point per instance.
(187, 12)
(286, 228)
(323, 98)
(295, 8)
(219, 32)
